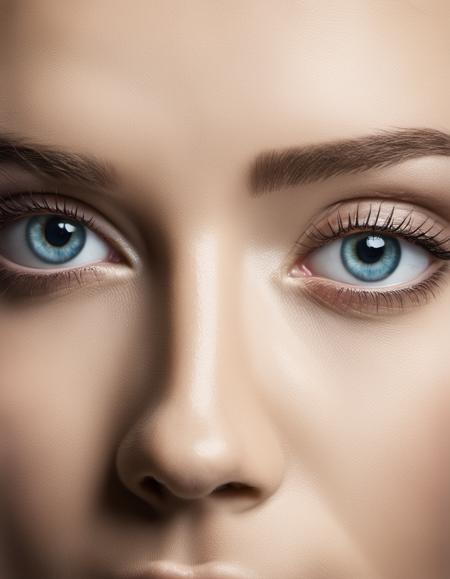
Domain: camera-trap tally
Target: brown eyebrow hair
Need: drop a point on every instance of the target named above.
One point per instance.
(300, 165)
(47, 161)
(271, 170)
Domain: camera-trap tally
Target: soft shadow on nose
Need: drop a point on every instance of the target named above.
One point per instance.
(207, 438)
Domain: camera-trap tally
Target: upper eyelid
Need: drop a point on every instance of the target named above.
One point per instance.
(320, 237)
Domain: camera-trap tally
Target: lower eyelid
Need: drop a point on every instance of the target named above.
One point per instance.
(33, 283)
(361, 301)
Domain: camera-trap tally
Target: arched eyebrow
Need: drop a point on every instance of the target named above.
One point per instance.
(274, 170)
(47, 161)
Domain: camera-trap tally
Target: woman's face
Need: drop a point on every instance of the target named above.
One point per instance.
(225, 289)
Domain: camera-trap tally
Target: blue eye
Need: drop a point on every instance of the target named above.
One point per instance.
(370, 257)
(49, 241)
(55, 239)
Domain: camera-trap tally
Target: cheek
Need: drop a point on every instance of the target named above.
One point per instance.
(367, 417)
(386, 468)
(410, 484)
(64, 370)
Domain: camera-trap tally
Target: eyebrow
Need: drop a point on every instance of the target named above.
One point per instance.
(270, 170)
(44, 160)
(293, 166)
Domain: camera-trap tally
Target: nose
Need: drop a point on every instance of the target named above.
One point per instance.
(208, 438)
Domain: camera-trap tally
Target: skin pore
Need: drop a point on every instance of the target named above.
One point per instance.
(206, 390)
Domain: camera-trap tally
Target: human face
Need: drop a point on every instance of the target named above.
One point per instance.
(219, 376)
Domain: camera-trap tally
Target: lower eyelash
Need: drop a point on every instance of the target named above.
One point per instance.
(348, 299)
(16, 285)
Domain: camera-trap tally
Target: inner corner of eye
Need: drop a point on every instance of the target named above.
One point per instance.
(300, 269)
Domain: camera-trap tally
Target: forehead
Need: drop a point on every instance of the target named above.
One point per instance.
(211, 83)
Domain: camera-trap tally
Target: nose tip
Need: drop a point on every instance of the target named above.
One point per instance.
(168, 465)
(191, 464)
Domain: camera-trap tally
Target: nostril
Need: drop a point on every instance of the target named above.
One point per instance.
(229, 486)
(158, 495)
(237, 491)
(153, 487)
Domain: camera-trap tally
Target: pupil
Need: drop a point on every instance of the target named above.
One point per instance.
(370, 249)
(58, 232)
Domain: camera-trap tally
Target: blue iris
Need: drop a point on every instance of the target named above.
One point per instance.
(370, 257)
(55, 239)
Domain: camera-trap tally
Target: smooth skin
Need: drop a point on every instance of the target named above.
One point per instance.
(132, 397)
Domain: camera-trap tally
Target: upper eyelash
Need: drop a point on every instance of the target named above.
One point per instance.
(414, 234)
(23, 204)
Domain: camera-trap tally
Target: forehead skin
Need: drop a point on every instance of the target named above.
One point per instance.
(210, 80)
(344, 429)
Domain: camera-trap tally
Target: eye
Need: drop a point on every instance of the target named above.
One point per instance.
(369, 259)
(49, 241)
(372, 256)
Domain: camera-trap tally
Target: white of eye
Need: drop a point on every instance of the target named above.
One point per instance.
(15, 248)
(327, 262)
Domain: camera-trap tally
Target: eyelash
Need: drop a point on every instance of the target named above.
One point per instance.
(363, 300)
(404, 230)
(14, 207)
(23, 204)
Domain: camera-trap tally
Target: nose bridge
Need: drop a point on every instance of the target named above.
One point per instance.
(202, 327)
(205, 367)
